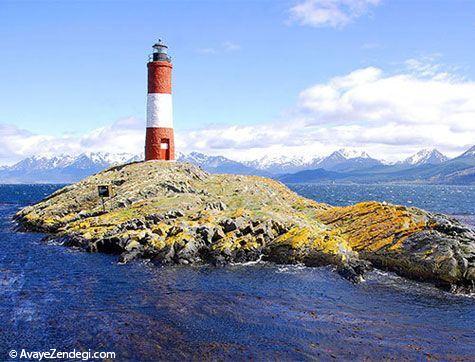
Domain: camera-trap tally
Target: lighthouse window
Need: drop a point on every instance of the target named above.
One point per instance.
(164, 146)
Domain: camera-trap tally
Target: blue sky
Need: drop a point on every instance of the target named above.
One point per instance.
(70, 68)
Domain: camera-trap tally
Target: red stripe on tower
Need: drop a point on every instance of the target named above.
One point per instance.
(159, 138)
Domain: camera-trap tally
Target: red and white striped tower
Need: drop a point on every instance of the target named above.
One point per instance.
(159, 140)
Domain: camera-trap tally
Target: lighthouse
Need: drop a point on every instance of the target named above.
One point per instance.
(159, 140)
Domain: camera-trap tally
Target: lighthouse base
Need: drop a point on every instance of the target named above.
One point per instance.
(159, 144)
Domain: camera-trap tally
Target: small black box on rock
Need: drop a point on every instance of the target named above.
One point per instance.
(104, 190)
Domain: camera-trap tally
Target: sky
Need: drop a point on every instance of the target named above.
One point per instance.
(251, 79)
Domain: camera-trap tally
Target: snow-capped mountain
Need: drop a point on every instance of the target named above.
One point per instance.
(83, 161)
(470, 153)
(280, 164)
(217, 164)
(61, 169)
(109, 158)
(100, 159)
(425, 157)
(347, 160)
(343, 159)
(350, 153)
(42, 163)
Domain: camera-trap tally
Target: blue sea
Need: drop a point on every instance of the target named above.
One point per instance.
(447, 199)
(57, 297)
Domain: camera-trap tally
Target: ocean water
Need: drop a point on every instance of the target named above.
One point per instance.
(447, 199)
(57, 297)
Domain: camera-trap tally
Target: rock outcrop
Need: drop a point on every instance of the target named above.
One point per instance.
(177, 213)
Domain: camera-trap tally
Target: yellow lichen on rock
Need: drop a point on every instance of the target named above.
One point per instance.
(325, 241)
(371, 226)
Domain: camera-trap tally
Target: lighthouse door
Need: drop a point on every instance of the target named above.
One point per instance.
(164, 149)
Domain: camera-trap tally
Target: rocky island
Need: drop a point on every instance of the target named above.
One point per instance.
(172, 212)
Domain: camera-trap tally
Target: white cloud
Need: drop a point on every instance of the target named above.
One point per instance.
(369, 96)
(230, 46)
(333, 13)
(207, 51)
(125, 135)
(389, 115)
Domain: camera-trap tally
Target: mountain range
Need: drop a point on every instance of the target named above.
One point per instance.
(427, 166)
(345, 165)
(61, 169)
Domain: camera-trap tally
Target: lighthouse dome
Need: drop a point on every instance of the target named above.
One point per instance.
(160, 51)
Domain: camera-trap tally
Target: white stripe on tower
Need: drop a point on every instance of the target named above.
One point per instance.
(159, 110)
